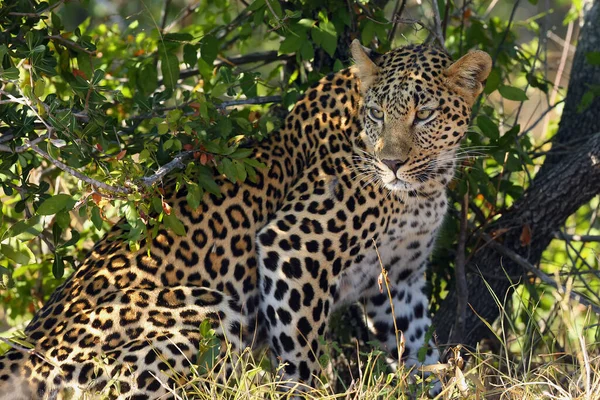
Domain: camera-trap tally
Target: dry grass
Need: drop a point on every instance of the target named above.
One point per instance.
(528, 360)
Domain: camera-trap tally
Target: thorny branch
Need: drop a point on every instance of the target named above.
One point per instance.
(577, 238)
(522, 262)
(437, 24)
(398, 9)
(79, 175)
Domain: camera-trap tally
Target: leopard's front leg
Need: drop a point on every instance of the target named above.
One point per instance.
(403, 310)
(295, 298)
(300, 264)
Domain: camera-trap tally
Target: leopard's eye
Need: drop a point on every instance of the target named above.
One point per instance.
(375, 114)
(422, 115)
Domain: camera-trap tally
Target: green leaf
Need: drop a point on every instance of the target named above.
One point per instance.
(512, 93)
(208, 353)
(147, 79)
(23, 226)
(54, 204)
(96, 218)
(194, 195)
(207, 182)
(368, 32)
(248, 85)
(190, 54)
(178, 37)
(493, 81)
(9, 74)
(63, 219)
(205, 69)
(170, 69)
(84, 64)
(292, 43)
(251, 173)
(174, 224)
(209, 49)
(240, 171)
(488, 127)
(58, 266)
(255, 163)
(256, 5)
(307, 51)
(241, 152)
(15, 255)
(329, 38)
(226, 167)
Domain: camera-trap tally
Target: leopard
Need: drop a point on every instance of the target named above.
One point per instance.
(354, 189)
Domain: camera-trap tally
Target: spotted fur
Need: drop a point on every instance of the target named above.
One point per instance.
(356, 179)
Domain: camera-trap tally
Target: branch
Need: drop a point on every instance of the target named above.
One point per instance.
(252, 100)
(71, 44)
(37, 14)
(508, 26)
(164, 16)
(398, 9)
(537, 272)
(183, 14)
(77, 174)
(263, 56)
(577, 238)
(437, 23)
(23, 148)
(176, 163)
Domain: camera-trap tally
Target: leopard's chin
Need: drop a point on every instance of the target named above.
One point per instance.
(398, 185)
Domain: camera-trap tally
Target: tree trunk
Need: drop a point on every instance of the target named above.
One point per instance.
(569, 178)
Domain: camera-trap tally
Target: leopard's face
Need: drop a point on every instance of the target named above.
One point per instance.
(416, 108)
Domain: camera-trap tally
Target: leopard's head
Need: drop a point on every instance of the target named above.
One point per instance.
(415, 111)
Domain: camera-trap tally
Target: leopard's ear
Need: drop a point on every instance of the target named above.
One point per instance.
(364, 67)
(467, 75)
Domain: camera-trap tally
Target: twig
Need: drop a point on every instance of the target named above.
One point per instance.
(165, 14)
(437, 23)
(176, 163)
(37, 14)
(268, 2)
(266, 56)
(24, 349)
(559, 72)
(408, 21)
(183, 14)
(77, 174)
(352, 19)
(577, 238)
(23, 148)
(475, 109)
(398, 9)
(462, 290)
(540, 118)
(508, 26)
(522, 262)
(71, 44)
(253, 100)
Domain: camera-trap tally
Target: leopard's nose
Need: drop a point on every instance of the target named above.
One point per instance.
(394, 165)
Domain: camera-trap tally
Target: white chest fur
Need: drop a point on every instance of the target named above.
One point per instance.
(405, 244)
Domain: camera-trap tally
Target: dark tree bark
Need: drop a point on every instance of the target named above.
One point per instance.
(569, 178)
